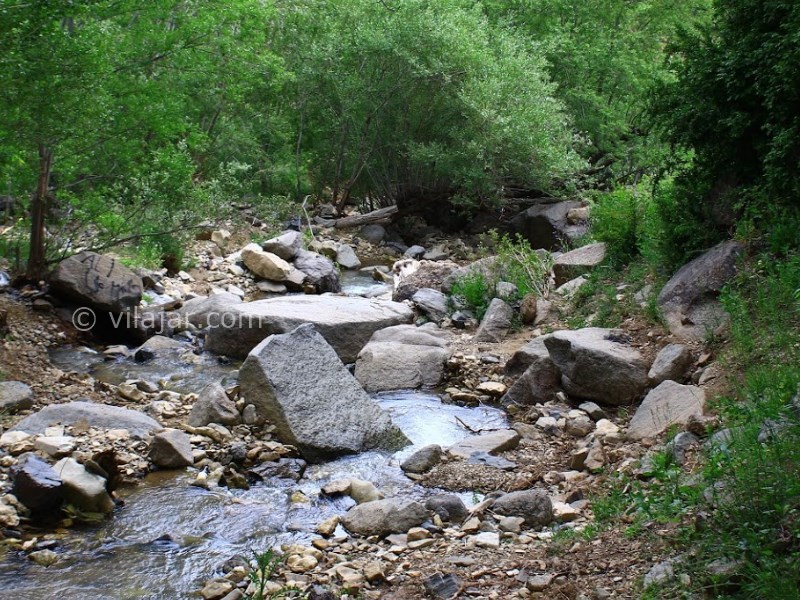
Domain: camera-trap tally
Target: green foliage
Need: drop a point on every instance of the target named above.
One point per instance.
(265, 565)
(615, 219)
(476, 291)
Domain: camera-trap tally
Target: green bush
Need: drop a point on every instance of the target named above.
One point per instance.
(475, 291)
(616, 220)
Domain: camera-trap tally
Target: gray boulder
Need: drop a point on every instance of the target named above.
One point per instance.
(598, 364)
(540, 379)
(101, 416)
(209, 311)
(415, 251)
(546, 225)
(346, 323)
(668, 404)
(320, 272)
(577, 262)
(286, 245)
(213, 406)
(158, 345)
(403, 357)
(15, 396)
(690, 300)
(99, 281)
(374, 234)
(448, 506)
(171, 449)
(534, 506)
(671, 363)
(346, 257)
(384, 517)
(496, 322)
(36, 484)
(85, 490)
(423, 460)
(297, 382)
(432, 303)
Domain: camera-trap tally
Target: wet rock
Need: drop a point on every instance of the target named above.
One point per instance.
(98, 281)
(432, 303)
(265, 265)
(496, 322)
(171, 449)
(532, 505)
(671, 363)
(690, 299)
(448, 507)
(403, 357)
(382, 517)
(326, 415)
(44, 558)
(597, 364)
(289, 468)
(37, 485)
(213, 406)
(442, 586)
(83, 489)
(346, 323)
(101, 416)
(320, 272)
(286, 245)
(668, 404)
(15, 396)
(578, 262)
(157, 345)
(423, 460)
(491, 443)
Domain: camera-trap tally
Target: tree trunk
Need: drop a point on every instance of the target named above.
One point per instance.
(36, 257)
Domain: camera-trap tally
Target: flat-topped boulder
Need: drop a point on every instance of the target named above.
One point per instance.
(102, 416)
(577, 262)
(346, 323)
(491, 443)
(296, 382)
(99, 281)
(668, 404)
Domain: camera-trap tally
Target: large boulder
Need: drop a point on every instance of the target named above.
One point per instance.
(297, 382)
(209, 311)
(346, 323)
(403, 357)
(534, 506)
(547, 225)
(213, 406)
(540, 379)
(36, 484)
(384, 517)
(411, 275)
(577, 262)
(598, 364)
(432, 303)
(286, 245)
(320, 272)
(265, 264)
(84, 490)
(496, 322)
(690, 300)
(671, 362)
(15, 396)
(101, 416)
(101, 282)
(668, 404)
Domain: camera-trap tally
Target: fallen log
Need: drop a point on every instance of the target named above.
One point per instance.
(380, 216)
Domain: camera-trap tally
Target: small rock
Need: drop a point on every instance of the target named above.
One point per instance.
(217, 589)
(171, 449)
(442, 586)
(534, 506)
(497, 441)
(44, 558)
(423, 460)
(487, 539)
(447, 506)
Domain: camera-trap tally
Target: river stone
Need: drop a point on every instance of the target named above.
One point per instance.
(690, 299)
(383, 517)
(209, 311)
(534, 506)
(346, 323)
(373, 233)
(346, 257)
(432, 303)
(171, 449)
(320, 272)
(297, 383)
(15, 396)
(286, 245)
(99, 281)
(423, 460)
(671, 363)
(410, 276)
(83, 489)
(265, 265)
(496, 322)
(55, 445)
(36, 484)
(101, 416)
(288, 468)
(546, 225)
(213, 406)
(668, 404)
(492, 443)
(403, 357)
(449, 507)
(541, 378)
(597, 364)
(157, 345)
(574, 263)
